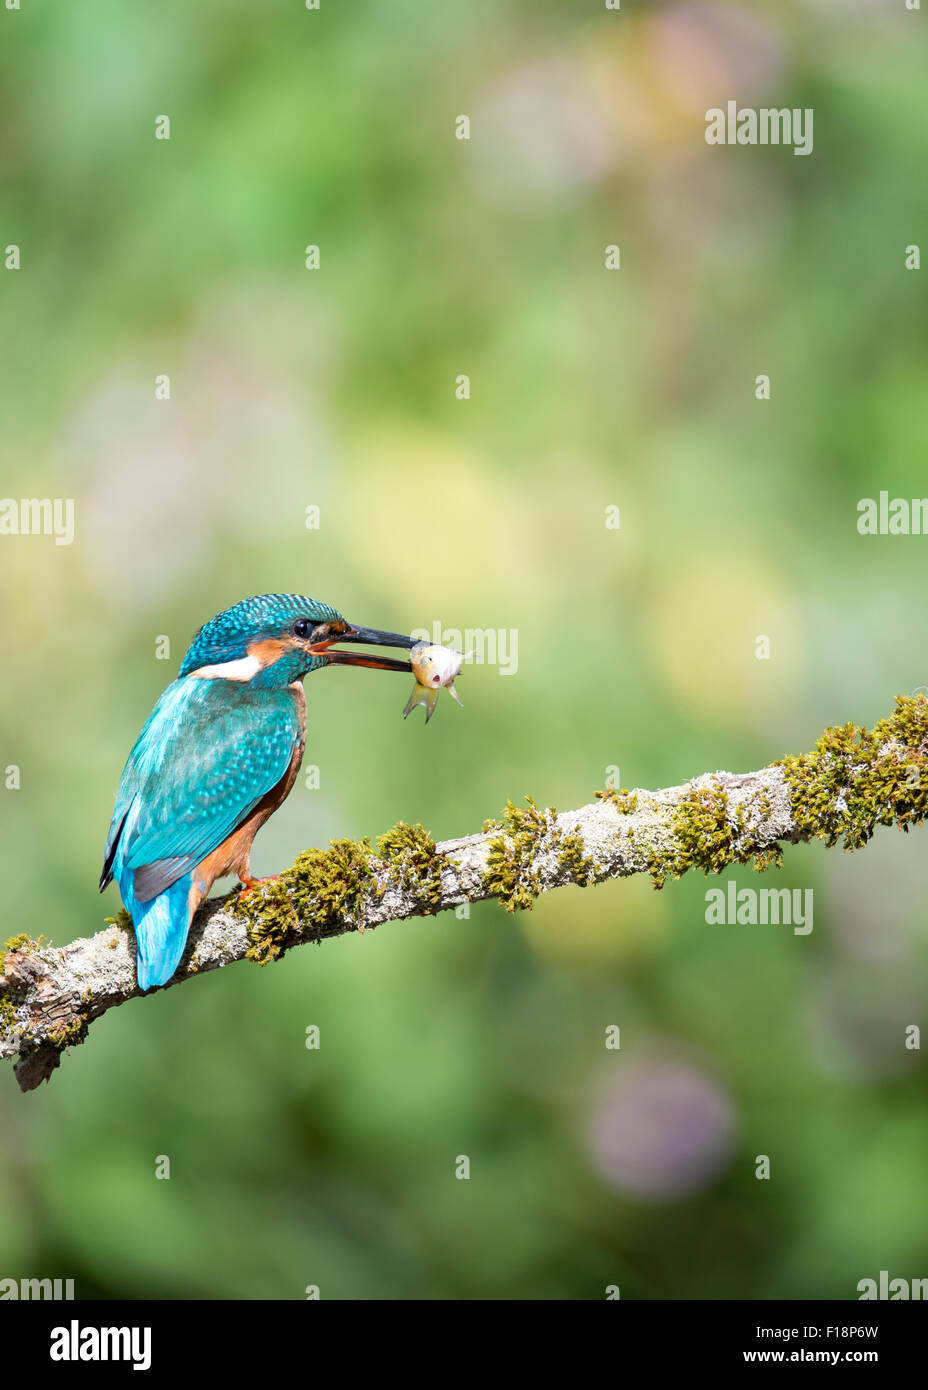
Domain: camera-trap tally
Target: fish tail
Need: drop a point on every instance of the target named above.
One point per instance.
(421, 695)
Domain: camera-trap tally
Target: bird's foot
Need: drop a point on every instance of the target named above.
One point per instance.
(252, 883)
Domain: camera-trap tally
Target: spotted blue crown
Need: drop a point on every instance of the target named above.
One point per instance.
(227, 636)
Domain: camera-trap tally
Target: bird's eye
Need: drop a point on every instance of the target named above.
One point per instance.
(303, 627)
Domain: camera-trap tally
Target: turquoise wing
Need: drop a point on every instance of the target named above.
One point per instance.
(207, 755)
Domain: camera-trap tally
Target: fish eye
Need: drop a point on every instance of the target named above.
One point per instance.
(302, 628)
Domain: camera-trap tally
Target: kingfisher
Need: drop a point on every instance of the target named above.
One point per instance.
(218, 754)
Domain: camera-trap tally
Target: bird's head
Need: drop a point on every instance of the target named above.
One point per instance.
(275, 639)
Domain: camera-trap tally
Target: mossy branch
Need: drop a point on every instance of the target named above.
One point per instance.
(853, 781)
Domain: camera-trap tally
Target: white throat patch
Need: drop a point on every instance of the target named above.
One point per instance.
(242, 670)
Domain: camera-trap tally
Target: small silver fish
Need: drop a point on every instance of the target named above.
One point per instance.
(434, 669)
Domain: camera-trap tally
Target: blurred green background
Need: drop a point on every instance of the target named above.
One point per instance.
(336, 388)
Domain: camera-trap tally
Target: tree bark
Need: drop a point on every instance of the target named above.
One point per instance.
(854, 780)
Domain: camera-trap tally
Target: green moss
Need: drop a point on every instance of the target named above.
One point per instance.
(7, 1007)
(64, 1037)
(410, 860)
(511, 873)
(624, 801)
(122, 922)
(322, 889)
(15, 943)
(578, 864)
(709, 834)
(7, 1016)
(853, 781)
(325, 888)
(857, 779)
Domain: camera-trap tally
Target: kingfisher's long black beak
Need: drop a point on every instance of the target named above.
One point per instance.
(369, 637)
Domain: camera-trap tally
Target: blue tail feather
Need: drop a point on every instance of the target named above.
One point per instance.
(161, 926)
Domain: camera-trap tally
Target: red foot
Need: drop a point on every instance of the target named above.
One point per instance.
(252, 883)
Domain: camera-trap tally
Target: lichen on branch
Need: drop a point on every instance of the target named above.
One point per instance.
(852, 781)
(856, 779)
